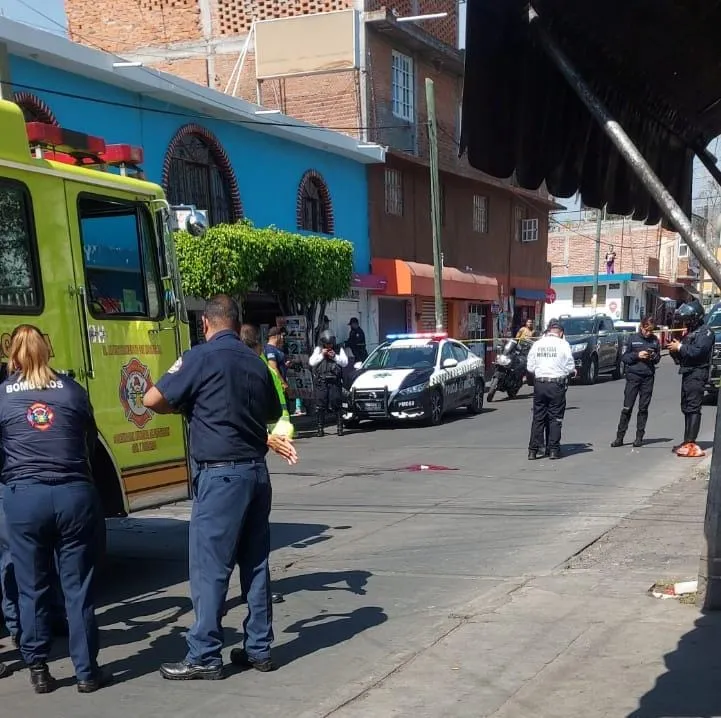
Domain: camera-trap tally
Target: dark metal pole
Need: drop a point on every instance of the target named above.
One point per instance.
(709, 162)
(709, 594)
(630, 152)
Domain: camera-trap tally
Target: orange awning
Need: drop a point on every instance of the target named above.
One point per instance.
(412, 278)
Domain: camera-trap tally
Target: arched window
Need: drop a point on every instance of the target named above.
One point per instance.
(34, 109)
(197, 171)
(314, 210)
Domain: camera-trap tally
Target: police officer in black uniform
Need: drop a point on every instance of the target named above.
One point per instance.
(228, 396)
(327, 362)
(693, 355)
(48, 435)
(643, 353)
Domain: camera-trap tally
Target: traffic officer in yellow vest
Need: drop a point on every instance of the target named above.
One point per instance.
(551, 362)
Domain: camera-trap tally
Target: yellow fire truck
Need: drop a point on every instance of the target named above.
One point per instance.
(86, 255)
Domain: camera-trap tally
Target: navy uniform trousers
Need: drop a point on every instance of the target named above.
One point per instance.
(549, 407)
(229, 525)
(46, 520)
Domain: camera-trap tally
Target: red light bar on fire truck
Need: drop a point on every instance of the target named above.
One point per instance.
(77, 145)
(123, 155)
(434, 335)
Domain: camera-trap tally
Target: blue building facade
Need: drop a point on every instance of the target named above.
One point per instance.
(205, 149)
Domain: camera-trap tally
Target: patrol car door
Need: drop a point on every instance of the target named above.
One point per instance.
(467, 378)
(450, 379)
(36, 266)
(130, 337)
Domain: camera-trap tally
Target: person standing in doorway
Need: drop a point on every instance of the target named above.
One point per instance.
(357, 341)
(551, 362)
(228, 397)
(643, 353)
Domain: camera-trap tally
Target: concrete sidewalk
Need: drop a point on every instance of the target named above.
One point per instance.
(586, 640)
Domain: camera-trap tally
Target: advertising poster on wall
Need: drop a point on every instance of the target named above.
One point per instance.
(300, 380)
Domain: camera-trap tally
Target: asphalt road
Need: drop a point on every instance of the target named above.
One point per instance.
(377, 561)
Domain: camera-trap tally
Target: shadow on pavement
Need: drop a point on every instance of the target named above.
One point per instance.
(690, 686)
(575, 449)
(325, 630)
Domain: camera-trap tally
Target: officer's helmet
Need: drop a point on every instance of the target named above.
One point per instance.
(327, 338)
(689, 314)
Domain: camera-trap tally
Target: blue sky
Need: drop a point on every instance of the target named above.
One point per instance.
(43, 14)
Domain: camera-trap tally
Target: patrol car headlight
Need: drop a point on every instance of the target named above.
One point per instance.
(415, 389)
(578, 348)
(504, 360)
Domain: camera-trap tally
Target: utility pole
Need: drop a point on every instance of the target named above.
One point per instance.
(6, 89)
(435, 202)
(596, 261)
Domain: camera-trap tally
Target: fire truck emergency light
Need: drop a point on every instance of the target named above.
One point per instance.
(68, 142)
(123, 154)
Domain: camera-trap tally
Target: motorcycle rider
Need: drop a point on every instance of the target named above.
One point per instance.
(327, 363)
(643, 353)
(693, 355)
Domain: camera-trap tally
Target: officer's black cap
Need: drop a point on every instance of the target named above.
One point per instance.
(554, 324)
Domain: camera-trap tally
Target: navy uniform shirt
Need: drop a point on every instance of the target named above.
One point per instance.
(227, 394)
(46, 434)
(275, 354)
(696, 350)
(638, 343)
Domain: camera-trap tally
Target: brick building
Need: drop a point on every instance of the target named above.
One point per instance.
(651, 268)
(364, 74)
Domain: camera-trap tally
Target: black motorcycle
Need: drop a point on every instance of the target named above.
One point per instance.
(510, 369)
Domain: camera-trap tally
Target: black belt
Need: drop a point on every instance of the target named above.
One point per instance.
(544, 380)
(221, 464)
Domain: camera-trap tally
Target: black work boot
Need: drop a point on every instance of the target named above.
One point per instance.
(694, 427)
(340, 424)
(618, 441)
(638, 441)
(40, 678)
(554, 454)
(532, 454)
(320, 418)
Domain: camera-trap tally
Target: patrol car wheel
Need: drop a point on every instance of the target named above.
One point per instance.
(591, 373)
(476, 405)
(435, 408)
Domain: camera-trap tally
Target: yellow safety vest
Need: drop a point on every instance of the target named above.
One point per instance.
(283, 426)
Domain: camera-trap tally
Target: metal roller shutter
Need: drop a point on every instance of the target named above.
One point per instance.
(427, 322)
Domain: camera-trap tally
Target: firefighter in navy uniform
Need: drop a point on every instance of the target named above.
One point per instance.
(643, 353)
(327, 362)
(48, 436)
(551, 362)
(693, 355)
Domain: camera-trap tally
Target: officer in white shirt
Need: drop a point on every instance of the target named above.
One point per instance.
(551, 362)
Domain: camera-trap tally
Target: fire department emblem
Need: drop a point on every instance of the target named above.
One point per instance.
(135, 380)
(40, 416)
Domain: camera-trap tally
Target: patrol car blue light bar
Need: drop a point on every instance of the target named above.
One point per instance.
(434, 335)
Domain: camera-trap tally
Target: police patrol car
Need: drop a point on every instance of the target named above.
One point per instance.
(415, 376)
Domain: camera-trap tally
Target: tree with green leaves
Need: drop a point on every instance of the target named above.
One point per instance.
(304, 272)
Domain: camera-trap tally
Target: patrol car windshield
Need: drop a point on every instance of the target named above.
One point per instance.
(403, 357)
(714, 319)
(576, 327)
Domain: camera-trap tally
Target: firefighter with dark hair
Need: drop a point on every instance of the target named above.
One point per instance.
(693, 355)
(327, 363)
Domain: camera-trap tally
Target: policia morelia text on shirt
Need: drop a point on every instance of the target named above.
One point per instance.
(48, 436)
(643, 353)
(693, 355)
(551, 362)
(227, 394)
